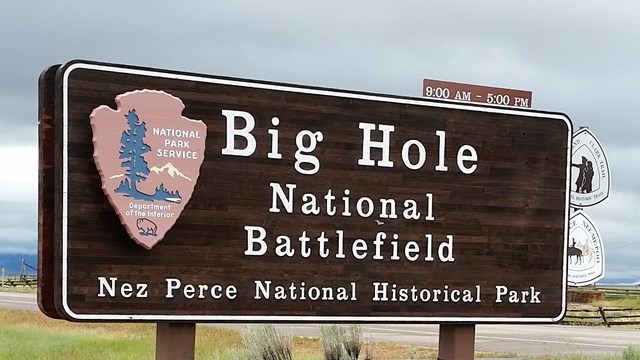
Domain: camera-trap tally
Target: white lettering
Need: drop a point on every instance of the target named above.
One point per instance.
(252, 240)
(244, 132)
(367, 144)
(422, 154)
(302, 154)
(467, 153)
(442, 139)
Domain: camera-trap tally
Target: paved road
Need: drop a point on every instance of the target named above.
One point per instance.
(9, 300)
(511, 339)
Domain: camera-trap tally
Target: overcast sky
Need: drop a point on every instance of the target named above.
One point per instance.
(581, 58)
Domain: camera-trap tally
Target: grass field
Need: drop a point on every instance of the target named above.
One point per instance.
(31, 335)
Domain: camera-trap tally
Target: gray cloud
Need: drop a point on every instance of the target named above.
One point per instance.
(578, 59)
(18, 222)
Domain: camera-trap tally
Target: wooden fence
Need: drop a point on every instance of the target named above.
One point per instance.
(13, 281)
(620, 292)
(603, 316)
(606, 316)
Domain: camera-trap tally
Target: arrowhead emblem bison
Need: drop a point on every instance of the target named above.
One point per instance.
(149, 157)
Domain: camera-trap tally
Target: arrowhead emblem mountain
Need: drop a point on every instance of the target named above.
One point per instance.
(170, 170)
(149, 158)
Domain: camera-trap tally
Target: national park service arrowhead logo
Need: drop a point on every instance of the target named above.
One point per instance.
(149, 157)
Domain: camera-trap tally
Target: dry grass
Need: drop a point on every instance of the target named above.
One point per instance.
(31, 335)
(35, 336)
(619, 303)
(30, 319)
(263, 342)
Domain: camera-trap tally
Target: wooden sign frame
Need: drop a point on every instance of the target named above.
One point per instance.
(312, 205)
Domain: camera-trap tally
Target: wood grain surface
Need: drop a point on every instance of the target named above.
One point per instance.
(507, 220)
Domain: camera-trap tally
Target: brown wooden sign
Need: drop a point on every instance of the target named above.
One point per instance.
(292, 203)
(447, 90)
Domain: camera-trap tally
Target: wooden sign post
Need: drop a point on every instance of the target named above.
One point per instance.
(175, 197)
(175, 341)
(456, 342)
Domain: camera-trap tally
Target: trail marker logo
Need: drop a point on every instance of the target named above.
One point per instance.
(149, 157)
(585, 251)
(590, 180)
